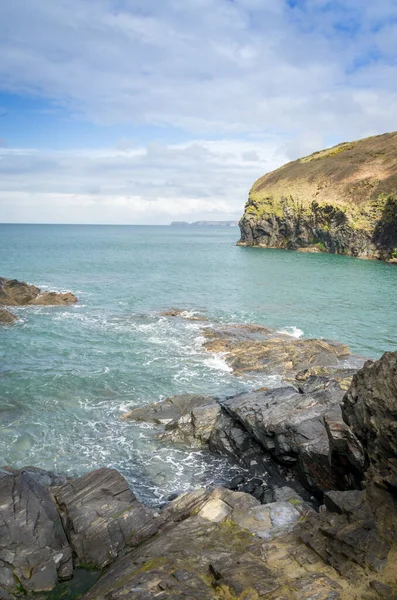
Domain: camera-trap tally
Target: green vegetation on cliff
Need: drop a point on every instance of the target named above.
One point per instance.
(342, 199)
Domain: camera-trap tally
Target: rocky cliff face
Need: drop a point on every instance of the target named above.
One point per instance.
(342, 200)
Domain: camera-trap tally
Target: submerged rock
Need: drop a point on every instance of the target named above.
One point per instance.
(6, 317)
(184, 314)
(19, 293)
(168, 410)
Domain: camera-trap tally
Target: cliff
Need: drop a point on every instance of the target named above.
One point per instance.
(341, 200)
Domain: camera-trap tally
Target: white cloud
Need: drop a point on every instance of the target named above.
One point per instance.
(267, 81)
(205, 65)
(156, 184)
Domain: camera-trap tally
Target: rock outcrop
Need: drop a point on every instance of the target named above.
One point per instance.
(19, 293)
(219, 544)
(257, 349)
(34, 549)
(341, 200)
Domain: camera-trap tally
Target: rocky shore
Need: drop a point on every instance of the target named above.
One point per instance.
(312, 515)
(341, 200)
(19, 293)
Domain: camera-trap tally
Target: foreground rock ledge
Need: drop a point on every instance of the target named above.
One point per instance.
(19, 293)
(214, 544)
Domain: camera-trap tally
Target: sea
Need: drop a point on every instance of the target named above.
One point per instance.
(69, 374)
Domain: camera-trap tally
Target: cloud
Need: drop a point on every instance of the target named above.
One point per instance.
(247, 84)
(153, 184)
(207, 65)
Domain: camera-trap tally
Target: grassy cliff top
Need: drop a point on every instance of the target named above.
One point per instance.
(348, 175)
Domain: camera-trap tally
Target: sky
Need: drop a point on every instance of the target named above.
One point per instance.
(150, 111)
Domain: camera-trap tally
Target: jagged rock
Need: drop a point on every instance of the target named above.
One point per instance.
(34, 549)
(345, 451)
(370, 408)
(6, 317)
(291, 427)
(19, 293)
(101, 516)
(348, 539)
(341, 200)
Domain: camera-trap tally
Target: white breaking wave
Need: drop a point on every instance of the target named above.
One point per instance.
(293, 331)
(216, 361)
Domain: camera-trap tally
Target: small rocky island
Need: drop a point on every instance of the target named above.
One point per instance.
(312, 514)
(19, 293)
(341, 200)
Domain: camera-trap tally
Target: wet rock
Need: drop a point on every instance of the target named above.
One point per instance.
(168, 410)
(19, 293)
(236, 482)
(6, 317)
(34, 549)
(101, 516)
(184, 314)
(254, 348)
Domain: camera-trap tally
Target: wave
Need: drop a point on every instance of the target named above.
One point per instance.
(292, 331)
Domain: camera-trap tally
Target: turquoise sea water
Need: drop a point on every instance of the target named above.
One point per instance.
(67, 374)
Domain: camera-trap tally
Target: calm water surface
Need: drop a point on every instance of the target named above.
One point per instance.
(68, 374)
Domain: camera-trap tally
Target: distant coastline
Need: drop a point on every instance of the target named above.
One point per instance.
(204, 224)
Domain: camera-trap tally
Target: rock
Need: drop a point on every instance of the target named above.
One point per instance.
(346, 503)
(194, 428)
(34, 549)
(341, 200)
(101, 516)
(168, 410)
(345, 541)
(225, 545)
(236, 482)
(48, 479)
(383, 590)
(19, 293)
(345, 451)
(291, 427)
(257, 349)
(184, 314)
(6, 317)
(370, 409)
(54, 298)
